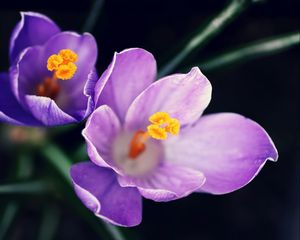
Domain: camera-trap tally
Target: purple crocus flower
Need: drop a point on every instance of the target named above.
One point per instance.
(148, 139)
(51, 78)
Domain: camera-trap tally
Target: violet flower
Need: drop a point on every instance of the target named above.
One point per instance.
(51, 78)
(147, 139)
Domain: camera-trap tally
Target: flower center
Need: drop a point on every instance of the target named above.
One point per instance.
(63, 67)
(143, 164)
(161, 125)
(48, 88)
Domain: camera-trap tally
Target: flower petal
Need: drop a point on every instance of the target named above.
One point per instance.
(33, 29)
(88, 91)
(45, 110)
(130, 72)
(100, 191)
(228, 148)
(85, 47)
(101, 128)
(27, 73)
(75, 97)
(183, 96)
(168, 182)
(10, 110)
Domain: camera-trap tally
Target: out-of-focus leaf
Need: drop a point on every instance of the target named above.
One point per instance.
(30, 187)
(201, 38)
(257, 49)
(49, 223)
(7, 218)
(93, 16)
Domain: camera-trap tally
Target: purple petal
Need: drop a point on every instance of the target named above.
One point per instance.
(10, 110)
(27, 73)
(166, 183)
(130, 72)
(72, 98)
(89, 89)
(75, 97)
(101, 128)
(33, 29)
(100, 191)
(85, 47)
(25, 76)
(228, 148)
(183, 96)
(45, 110)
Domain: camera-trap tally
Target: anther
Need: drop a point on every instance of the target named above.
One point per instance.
(63, 64)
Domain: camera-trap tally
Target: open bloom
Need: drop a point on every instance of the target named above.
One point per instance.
(148, 139)
(51, 78)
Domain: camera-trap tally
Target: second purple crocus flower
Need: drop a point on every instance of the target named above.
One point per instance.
(52, 76)
(148, 139)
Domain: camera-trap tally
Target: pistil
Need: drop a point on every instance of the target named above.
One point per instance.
(48, 88)
(137, 144)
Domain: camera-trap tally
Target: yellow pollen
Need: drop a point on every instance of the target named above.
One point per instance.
(173, 127)
(54, 61)
(66, 71)
(157, 132)
(162, 124)
(68, 55)
(160, 118)
(63, 64)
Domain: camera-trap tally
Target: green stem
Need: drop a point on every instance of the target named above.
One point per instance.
(49, 223)
(7, 218)
(24, 166)
(81, 153)
(62, 164)
(31, 187)
(260, 48)
(114, 231)
(215, 26)
(58, 160)
(23, 170)
(93, 16)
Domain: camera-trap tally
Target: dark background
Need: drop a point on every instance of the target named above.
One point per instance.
(265, 89)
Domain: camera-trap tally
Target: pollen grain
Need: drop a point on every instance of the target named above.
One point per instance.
(63, 64)
(157, 132)
(66, 71)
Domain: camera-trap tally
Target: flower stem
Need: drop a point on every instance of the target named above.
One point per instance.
(93, 16)
(7, 218)
(62, 165)
(260, 48)
(49, 223)
(216, 25)
(58, 160)
(113, 231)
(23, 171)
(81, 153)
